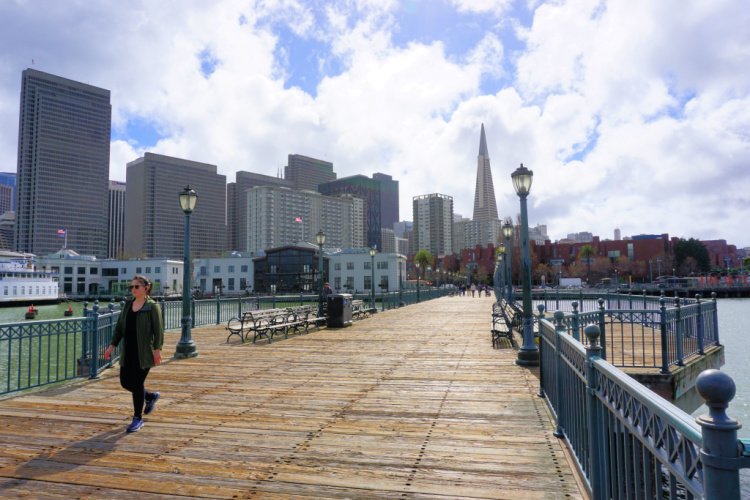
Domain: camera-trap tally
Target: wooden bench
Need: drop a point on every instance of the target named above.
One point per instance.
(361, 310)
(266, 323)
(504, 318)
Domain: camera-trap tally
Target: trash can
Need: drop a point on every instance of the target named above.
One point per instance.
(339, 310)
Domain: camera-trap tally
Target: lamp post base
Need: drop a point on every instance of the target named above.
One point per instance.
(185, 350)
(527, 357)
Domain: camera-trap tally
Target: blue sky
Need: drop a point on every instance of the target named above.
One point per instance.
(630, 116)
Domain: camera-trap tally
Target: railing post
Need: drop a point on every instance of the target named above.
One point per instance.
(716, 318)
(645, 302)
(602, 329)
(193, 306)
(679, 333)
(93, 321)
(559, 368)
(596, 464)
(576, 322)
(720, 454)
(218, 309)
(700, 326)
(540, 307)
(663, 330)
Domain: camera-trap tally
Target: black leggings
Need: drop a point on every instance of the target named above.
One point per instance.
(133, 378)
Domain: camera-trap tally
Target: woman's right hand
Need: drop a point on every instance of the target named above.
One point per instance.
(108, 352)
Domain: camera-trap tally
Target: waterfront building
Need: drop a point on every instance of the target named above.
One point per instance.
(63, 165)
(389, 213)
(351, 271)
(289, 269)
(278, 216)
(237, 205)
(7, 187)
(368, 190)
(303, 172)
(433, 223)
(154, 222)
(228, 275)
(116, 215)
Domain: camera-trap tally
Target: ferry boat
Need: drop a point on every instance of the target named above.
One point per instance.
(21, 283)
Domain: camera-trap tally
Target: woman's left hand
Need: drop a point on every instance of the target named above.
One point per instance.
(157, 357)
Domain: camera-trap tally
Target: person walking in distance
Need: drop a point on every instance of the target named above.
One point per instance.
(141, 331)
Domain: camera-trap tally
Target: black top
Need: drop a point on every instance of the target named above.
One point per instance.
(131, 338)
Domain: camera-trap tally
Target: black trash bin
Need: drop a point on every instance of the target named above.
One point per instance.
(339, 310)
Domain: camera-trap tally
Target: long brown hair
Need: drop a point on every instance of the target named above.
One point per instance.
(145, 282)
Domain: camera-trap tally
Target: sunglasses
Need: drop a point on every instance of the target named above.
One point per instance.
(134, 287)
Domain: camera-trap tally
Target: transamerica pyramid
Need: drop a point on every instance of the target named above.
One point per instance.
(485, 206)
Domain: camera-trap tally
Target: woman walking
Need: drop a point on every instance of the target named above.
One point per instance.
(141, 331)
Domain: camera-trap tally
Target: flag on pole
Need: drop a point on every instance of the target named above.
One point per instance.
(61, 233)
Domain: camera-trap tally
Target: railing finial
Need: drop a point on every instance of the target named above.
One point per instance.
(592, 333)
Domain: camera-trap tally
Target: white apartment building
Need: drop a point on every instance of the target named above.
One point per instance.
(280, 216)
(351, 271)
(433, 223)
(232, 275)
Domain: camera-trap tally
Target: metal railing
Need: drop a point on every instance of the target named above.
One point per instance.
(38, 353)
(627, 441)
(642, 332)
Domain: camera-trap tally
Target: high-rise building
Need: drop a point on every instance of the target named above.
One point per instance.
(154, 221)
(433, 223)
(63, 165)
(237, 205)
(368, 190)
(116, 213)
(7, 180)
(304, 172)
(402, 227)
(618, 234)
(278, 216)
(485, 206)
(388, 239)
(388, 200)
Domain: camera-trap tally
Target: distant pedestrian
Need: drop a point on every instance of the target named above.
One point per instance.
(473, 289)
(141, 331)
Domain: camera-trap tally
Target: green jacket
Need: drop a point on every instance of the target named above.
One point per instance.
(149, 329)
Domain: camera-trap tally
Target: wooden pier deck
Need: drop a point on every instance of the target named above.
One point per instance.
(411, 403)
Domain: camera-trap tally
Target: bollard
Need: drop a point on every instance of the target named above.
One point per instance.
(720, 451)
(596, 454)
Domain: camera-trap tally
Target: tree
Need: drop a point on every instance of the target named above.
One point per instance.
(423, 258)
(585, 253)
(692, 248)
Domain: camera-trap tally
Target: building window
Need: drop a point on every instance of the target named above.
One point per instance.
(368, 265)
(368, 283)
(204, 270)
(350, 282)
(382, 265)
(231, 283)
(68, 270)
(124, 270)
(148, 270)
(93, 270)
(243, 269)
(217, 269)
(157, 270)
(337, 266)
(230, 269)
(138, 270)
(384, 283)
(81, 270)
(243, 283)
(350, 266)
(337, 283)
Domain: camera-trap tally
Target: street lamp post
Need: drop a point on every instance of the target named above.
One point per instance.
(498, 279)
(528, 354)
(373, 251)
(320, 239)
(508, 232)
(186, 347)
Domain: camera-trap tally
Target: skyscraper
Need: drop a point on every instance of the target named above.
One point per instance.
(116, 213)
(485, 206)
(368, 190)
(63, 165)
(7, 179)
(388, 200)
(154, 222)
(304, 172)
(237, 205)
(433, 223)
